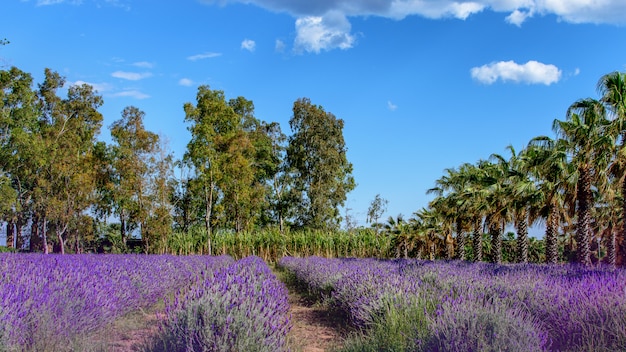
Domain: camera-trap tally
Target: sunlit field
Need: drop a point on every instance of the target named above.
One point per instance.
(413, 305)
(217, 303)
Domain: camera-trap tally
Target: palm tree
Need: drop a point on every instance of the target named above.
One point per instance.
(546, 161)
(451, 187)
(523, 196)
(442, 209)
(400, 231)
(584, 135)
(431, 227)
(474, 198)
(495, 182)
(612, 87)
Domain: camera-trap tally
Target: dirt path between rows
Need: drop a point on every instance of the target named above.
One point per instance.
(315, 327)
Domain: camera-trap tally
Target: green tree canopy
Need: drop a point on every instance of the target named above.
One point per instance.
(317, 155)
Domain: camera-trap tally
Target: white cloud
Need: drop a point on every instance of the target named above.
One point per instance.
(131, 76)
(54, 2)
(314, 34)
(248, 44)
(98, 87)
(203, 56)
(143, 64)
(185, 82)
(115, 3)
(391, 106)
(280, 46)
(532, 72)
(518, 17)
(516, 11)
(131, 94)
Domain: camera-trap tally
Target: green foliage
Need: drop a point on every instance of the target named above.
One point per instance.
(317, 154)
(232, 157)
(271, 244)
(399, 327)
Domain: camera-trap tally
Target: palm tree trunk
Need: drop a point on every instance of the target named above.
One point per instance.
(619, 252)
(552, 253)
(583, 233)
(478, 240)
(612, 248)
(522, 239)
(496, 243)
(449, 246)
(460, 241)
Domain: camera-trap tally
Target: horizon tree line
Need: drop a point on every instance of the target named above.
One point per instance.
(63, 189)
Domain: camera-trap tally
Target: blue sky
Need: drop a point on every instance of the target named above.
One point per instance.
(422, 85)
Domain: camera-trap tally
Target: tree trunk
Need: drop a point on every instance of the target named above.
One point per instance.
(612, 248)
(123, 227)
(522, 239)
(552, 251)
(35, 240)
(406, 250)
(449, 246)
(621, 252)
(44, 235)
(10, 233)
(61, 241)
(460, 241)
(583, 249)
(208, 198)
(478, 240)
(19, 237)
(496, 243)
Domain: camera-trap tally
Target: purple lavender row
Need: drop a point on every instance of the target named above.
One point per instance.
(242, 307)
(482, 306)
(47, 301)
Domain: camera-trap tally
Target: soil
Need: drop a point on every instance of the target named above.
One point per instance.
(132, 332)
(315, 327)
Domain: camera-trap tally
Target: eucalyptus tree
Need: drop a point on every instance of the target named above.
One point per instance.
(161, 185)
(281, 195)
(18, 127)
(585, 137)
(377, 208)
(132, 148)
(66, 182)
(212, 121)
(317, 155)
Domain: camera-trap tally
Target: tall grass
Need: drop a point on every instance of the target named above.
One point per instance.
(271, 244)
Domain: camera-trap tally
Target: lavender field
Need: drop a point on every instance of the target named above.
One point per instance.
(412, 305)
(50, 302)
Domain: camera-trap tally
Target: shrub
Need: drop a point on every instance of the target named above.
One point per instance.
(243, 307)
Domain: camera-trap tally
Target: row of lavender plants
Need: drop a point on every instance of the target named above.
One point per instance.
(47, 302)
(242, 307)
(461, 306)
